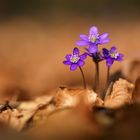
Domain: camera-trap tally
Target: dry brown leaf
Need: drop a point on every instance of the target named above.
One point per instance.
(30, 108)
(11, 118)
(120, 95)
(36, 103)
(92, 99)
(18, 118)
(72, 97)
(41, 107)
(136, 92)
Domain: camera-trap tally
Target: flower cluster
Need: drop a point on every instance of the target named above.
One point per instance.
(91, 43)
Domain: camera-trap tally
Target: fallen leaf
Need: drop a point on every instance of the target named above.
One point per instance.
(136, 92)
(120, 95)
(67, 97)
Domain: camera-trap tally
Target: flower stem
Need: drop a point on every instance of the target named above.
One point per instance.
(108, 87)
(108, 76)
(97, 77)
(84, 81)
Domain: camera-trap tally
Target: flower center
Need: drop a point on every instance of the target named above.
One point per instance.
(93, 38)
(114, 54)
(74, 58)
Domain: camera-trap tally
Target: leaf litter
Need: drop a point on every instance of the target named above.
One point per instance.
(49, 111)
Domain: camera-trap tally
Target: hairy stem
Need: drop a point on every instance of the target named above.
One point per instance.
(108, 76)
(97, 77)
(84, 81)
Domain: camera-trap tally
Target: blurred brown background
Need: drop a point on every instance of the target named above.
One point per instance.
(35, 36)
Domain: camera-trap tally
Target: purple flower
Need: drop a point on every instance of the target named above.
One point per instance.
(75, 60)
(112, 55)
(93, 39)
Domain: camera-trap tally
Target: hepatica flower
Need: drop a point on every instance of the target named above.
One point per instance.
(75, 60)
(112, 55)
(93, 39)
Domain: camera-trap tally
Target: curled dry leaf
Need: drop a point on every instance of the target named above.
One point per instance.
(11, 118)
(30, 108)
(66, 97)
(36, 103)
(136, 92)
(18, 118)
(120, 95)
(72, 97)
(92, 99)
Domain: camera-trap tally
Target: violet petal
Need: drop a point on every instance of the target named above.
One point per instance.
(109, 62)
(113, 49)
(93, 48)
(82, 43)
(73, 67)
(68, 56)
(103, 36)
(103, 41)
(76, 51)
(67, 62)
(81, 63)
(93, 31)
(120, 57)
(83, 56)
(84, 37)
(105, 52)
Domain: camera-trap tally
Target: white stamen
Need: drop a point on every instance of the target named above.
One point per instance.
(114, 54)
(74, 58)
(93, 38)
